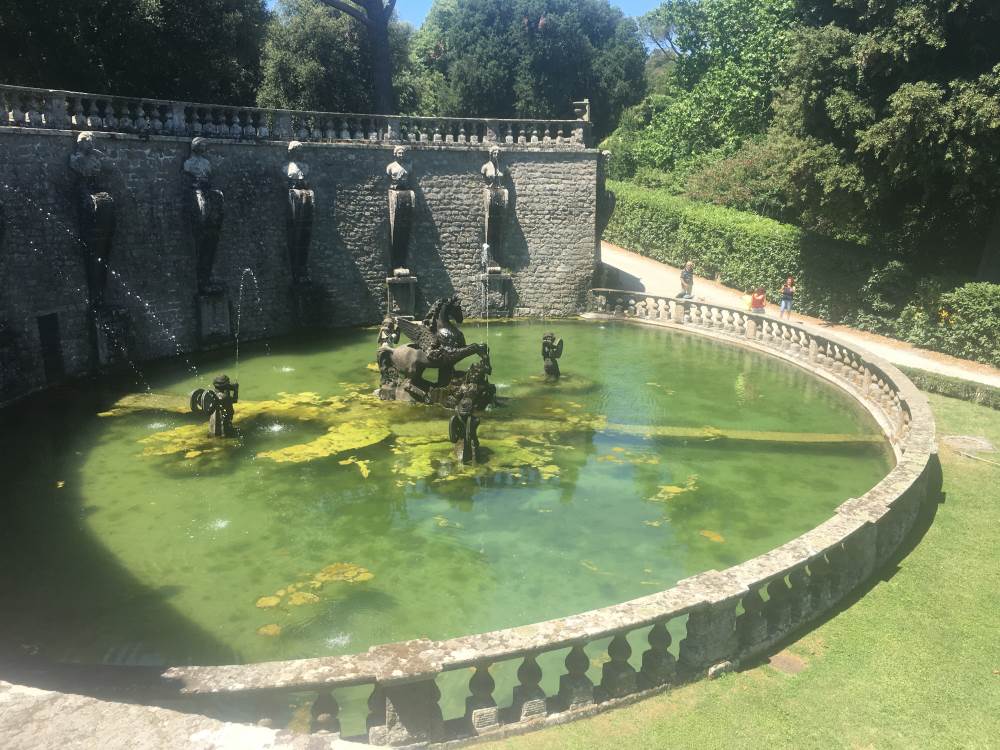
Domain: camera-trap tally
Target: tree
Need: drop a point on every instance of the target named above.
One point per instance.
(908, 94)
(724, 60)
(528, 58)
(375, 15)
(201, 50)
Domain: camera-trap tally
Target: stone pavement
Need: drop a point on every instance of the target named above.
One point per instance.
(33, 719)
(638, 273)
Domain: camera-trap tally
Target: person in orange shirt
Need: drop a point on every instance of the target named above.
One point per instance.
(758, 301)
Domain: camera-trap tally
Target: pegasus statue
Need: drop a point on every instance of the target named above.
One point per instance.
(437, 343)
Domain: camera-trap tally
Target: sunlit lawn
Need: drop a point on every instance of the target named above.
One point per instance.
(915, 663)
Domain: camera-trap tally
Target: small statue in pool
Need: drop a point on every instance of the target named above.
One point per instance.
(217, 402)
(552, 349)
(463, 431)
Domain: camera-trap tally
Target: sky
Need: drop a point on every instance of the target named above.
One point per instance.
(415, 10)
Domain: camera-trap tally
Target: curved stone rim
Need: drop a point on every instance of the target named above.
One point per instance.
(861, 535)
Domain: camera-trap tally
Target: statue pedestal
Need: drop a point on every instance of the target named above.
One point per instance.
(111, 326)
(498, 293)
(214, 317)
(401, 295)
(401, 204)
(307, 304)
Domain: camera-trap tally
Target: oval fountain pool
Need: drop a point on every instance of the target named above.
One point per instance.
(337, 521)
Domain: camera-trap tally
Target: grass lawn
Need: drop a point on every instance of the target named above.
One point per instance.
(915, 663)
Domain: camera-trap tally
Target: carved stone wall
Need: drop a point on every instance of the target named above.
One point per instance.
(550, 245)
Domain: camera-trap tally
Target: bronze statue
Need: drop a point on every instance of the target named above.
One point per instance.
(437, 343)
(206, 205)
(401, 202)
(217, 403)
(463, 431)
(495, 198)
(299, 214)
(96, 214)
(552, 349)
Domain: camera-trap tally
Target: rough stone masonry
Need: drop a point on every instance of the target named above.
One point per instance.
(550, 246)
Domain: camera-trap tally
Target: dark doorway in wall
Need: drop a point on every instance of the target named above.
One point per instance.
(48, 333)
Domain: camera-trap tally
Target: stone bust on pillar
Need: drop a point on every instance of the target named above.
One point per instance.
(299, 213)
(401, 202)
(206, 207)
(95, 214)
(495, 198)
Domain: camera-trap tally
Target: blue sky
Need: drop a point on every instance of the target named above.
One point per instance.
(415, 10)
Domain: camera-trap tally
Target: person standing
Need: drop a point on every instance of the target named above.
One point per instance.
(687, 280)
(758, 301)
(787, 295)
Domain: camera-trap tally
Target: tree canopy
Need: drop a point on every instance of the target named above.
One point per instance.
(204, 50)
(528, 58)
(724, 59)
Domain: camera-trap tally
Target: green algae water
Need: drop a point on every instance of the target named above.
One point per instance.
(336, 521)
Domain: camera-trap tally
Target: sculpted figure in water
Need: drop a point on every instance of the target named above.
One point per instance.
(463, 431)
(552, 349)
(217, 402)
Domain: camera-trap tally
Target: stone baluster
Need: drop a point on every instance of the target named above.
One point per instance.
(640, 309)
(821, 584)
(813, 350)
(752, 624)
(838, 571)
(575, 688)
(695, 313)
(55, 112)
(659, 667)
(679, 311)
(522, 133)
(75, 113)
(157, 119)
(462, 138)
(490, 136)
(438, 137)
(528, 699)
(475, 136)
(33, 107)
(197, 121)
(177, 123)
(779, 608)
(405, 714)
(663, 309)
(801, 596)
(711, 636)
(481, 711)
(218, 122)
(245, 120)
(618, 677)
(796, 345)
(262, 123)
(345, 132)
(534, 134)
(325, 713)
(548, 133)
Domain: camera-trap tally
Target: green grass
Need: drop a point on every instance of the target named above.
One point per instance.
(915, 663)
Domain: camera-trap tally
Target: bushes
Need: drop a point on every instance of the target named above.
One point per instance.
(742, 250)
(966, 390)
(835, 280)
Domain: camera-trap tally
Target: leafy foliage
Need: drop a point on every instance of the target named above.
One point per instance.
(198, 50)
(528, 58)
(724, 56)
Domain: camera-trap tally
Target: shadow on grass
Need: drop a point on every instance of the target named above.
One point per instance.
(935, 496)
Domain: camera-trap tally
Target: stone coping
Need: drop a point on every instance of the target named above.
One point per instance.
(394, 666)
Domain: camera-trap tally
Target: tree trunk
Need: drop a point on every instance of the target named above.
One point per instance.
(378, 27)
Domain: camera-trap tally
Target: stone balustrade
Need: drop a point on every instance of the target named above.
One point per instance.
(727, 616)
(70, 110)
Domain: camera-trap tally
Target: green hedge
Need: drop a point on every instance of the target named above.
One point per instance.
(977, 393)
(836, 281)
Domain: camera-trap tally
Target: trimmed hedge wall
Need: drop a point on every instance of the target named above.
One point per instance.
(834, 280)
(966, 390)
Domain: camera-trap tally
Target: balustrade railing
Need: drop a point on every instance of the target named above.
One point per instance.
(725, 616)
(44, 108)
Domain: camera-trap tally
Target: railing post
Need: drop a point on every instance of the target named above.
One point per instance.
(618, 677)
(711, 627)
(406, 711)
(529, 699)
(55, 114)
(480, 709)
(575, 688)
(658, 665)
